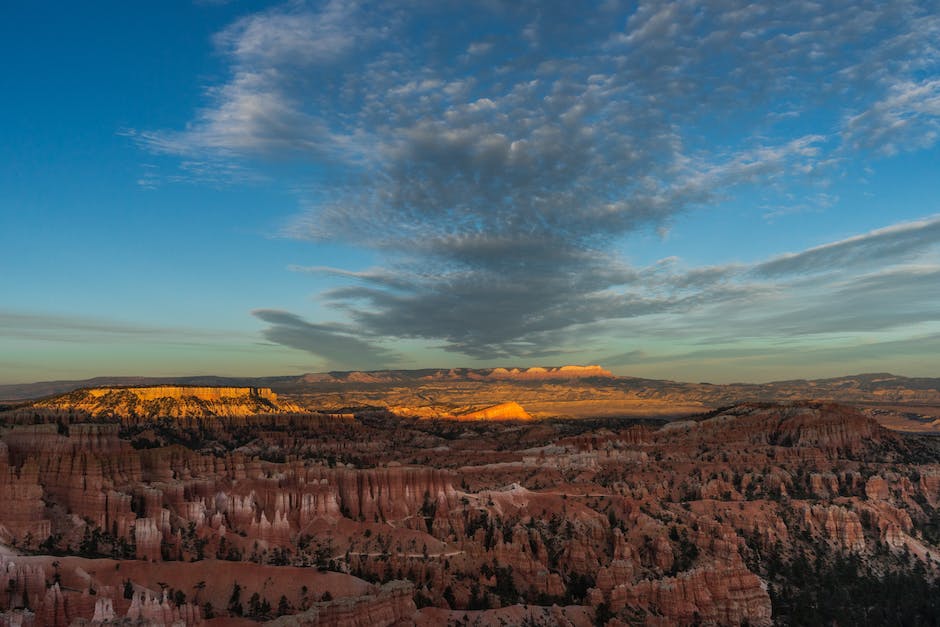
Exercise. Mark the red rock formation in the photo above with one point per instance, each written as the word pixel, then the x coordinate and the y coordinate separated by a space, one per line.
pixel 390 493
pixel 17 618
pixel 930 484
pixel 22 512
pixel 839 525
pixel 147 537
pixel 159 611
pixel 824 485
pixel 55 610
pixel 81 470
pixel 21 584
pixel 877 489
pixel 724 594
pixel 832 428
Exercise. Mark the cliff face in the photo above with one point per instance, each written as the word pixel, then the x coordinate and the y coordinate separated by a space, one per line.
pixel 170 401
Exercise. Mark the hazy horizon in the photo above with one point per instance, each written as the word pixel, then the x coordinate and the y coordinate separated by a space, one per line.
pixel 695 191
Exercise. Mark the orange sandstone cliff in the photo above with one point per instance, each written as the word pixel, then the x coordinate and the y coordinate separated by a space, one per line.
pixel 171 401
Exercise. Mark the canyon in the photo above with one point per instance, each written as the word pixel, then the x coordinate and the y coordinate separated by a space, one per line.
pixel 461 498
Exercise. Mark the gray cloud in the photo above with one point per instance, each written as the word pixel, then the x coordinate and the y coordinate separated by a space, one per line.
pixel 625 359
pixel 293 36
pixel 888 245
pixel 905 114
pixel 500 170
pixel 59 328
pixel 333 343
pixel 901 296
pixel 821 308
pixel 908 116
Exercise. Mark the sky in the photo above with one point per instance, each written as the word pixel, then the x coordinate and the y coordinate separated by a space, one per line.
pixel 695 190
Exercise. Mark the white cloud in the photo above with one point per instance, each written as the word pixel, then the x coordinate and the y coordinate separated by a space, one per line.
pixel 907 117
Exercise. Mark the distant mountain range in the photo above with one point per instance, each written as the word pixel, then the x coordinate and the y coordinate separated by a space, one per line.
pixel 871 387
pixel 311 381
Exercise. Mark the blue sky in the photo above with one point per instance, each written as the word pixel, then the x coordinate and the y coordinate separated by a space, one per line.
pixel 692 190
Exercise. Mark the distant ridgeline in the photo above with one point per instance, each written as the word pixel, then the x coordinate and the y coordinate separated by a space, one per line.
pixel 535 373
pixel 171 401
